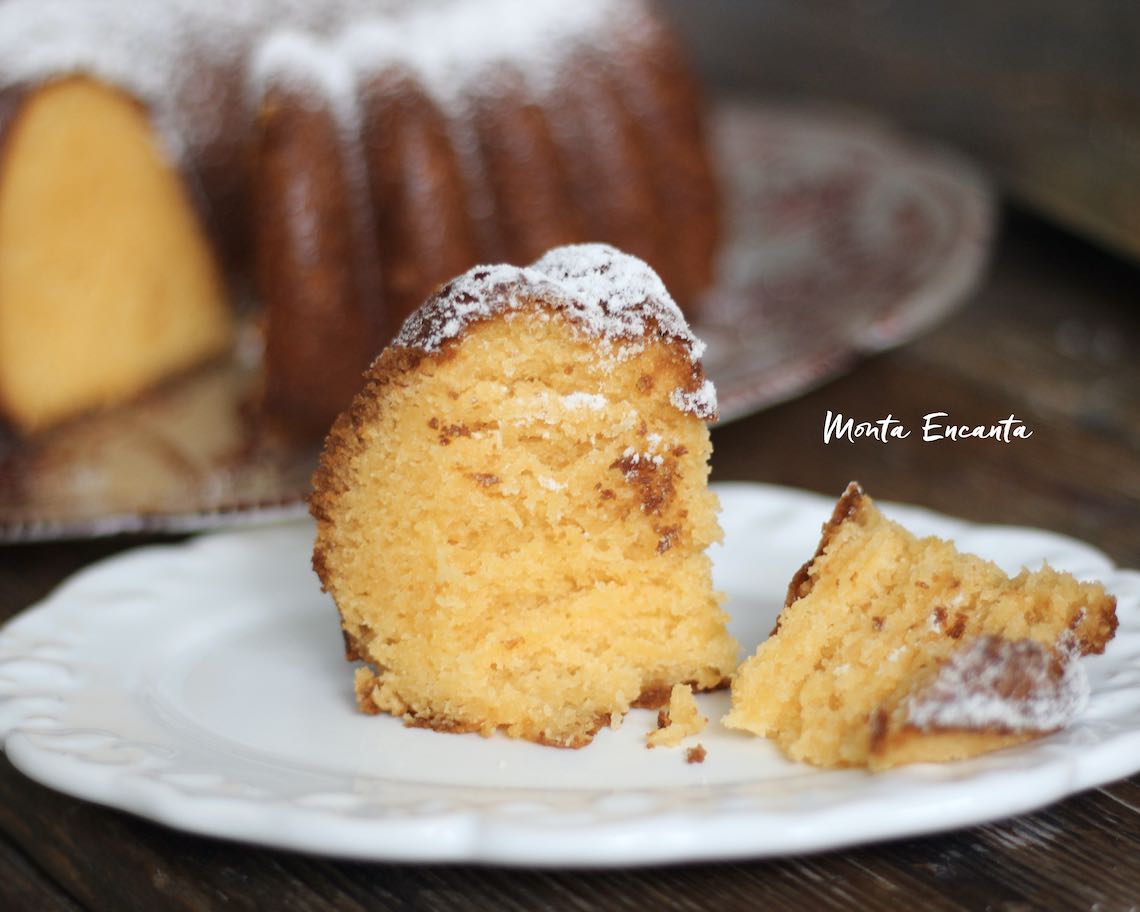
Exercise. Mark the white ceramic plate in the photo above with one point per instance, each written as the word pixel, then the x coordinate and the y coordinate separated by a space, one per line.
pixel 202 685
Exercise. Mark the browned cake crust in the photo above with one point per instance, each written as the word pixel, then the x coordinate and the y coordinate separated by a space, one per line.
pixel 850 502
pixel 657 695
pixel 663 100
pixel 606 161
pixel 616 153
pixel 485 151
pixel 1014 672
pixel 418 194
pixel 317 274
pixel 344 440
pixel 523 167
pixel 12 97
pixel 652 698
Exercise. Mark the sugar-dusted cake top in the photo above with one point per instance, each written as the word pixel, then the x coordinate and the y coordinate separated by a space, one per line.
pixel 608 294
pixel 180 57
pixel 1007 685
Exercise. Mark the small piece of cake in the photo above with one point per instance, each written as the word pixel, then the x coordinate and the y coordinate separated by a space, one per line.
pixel 513 515
pixel 678 720
pixel 894 649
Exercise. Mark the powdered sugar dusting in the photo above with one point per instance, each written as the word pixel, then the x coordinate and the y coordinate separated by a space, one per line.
pixel 593 401
pixel 176 55
pixel 608 294
pixel 1008 685
pixel 478 294
pixel 631 459
pixel 701 402
pixel 620 292
pixel 307 65
pixel 456 44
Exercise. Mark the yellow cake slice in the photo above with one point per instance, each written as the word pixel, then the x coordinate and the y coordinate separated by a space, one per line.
pixel 895 649
pixel 512 516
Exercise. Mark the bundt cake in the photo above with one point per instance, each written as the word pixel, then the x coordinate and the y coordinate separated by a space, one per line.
pixel 344 156
pixel 894 649
pixel 512 516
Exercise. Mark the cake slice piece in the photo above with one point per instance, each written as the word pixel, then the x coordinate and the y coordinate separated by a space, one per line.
pixel 681 718
pixel 512 516
pixel 894 649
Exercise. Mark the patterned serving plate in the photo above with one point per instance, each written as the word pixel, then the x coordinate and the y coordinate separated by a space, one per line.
pixel 843 239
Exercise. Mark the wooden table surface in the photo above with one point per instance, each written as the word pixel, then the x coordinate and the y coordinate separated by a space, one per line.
pixel 1051 338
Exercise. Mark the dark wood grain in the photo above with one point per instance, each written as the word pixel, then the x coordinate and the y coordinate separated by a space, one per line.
pixel 1052 338
pixel 23 886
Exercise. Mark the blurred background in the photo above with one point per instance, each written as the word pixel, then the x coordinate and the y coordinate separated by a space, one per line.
pixel 1045 97
pixel 1046 94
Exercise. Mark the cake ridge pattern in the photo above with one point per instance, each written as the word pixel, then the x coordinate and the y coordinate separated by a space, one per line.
pixel 309 135
pixel 154 50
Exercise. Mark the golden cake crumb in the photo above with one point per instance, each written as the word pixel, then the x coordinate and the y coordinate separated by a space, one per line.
pixel 679 720
pixel 893 649
pixel 696 754
pixel 512 522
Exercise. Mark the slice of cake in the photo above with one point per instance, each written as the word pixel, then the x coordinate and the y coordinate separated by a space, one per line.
pixel 894 649
pixel 512 516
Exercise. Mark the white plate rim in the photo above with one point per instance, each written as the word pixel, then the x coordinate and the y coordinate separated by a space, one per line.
pixel 697 823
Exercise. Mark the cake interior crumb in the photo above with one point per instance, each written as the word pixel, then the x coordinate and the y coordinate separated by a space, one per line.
pixel 897 649
pixel 678 720
pixel 528 576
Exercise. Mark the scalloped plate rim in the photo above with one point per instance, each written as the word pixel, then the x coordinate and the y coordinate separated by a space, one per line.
pixel 692 828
